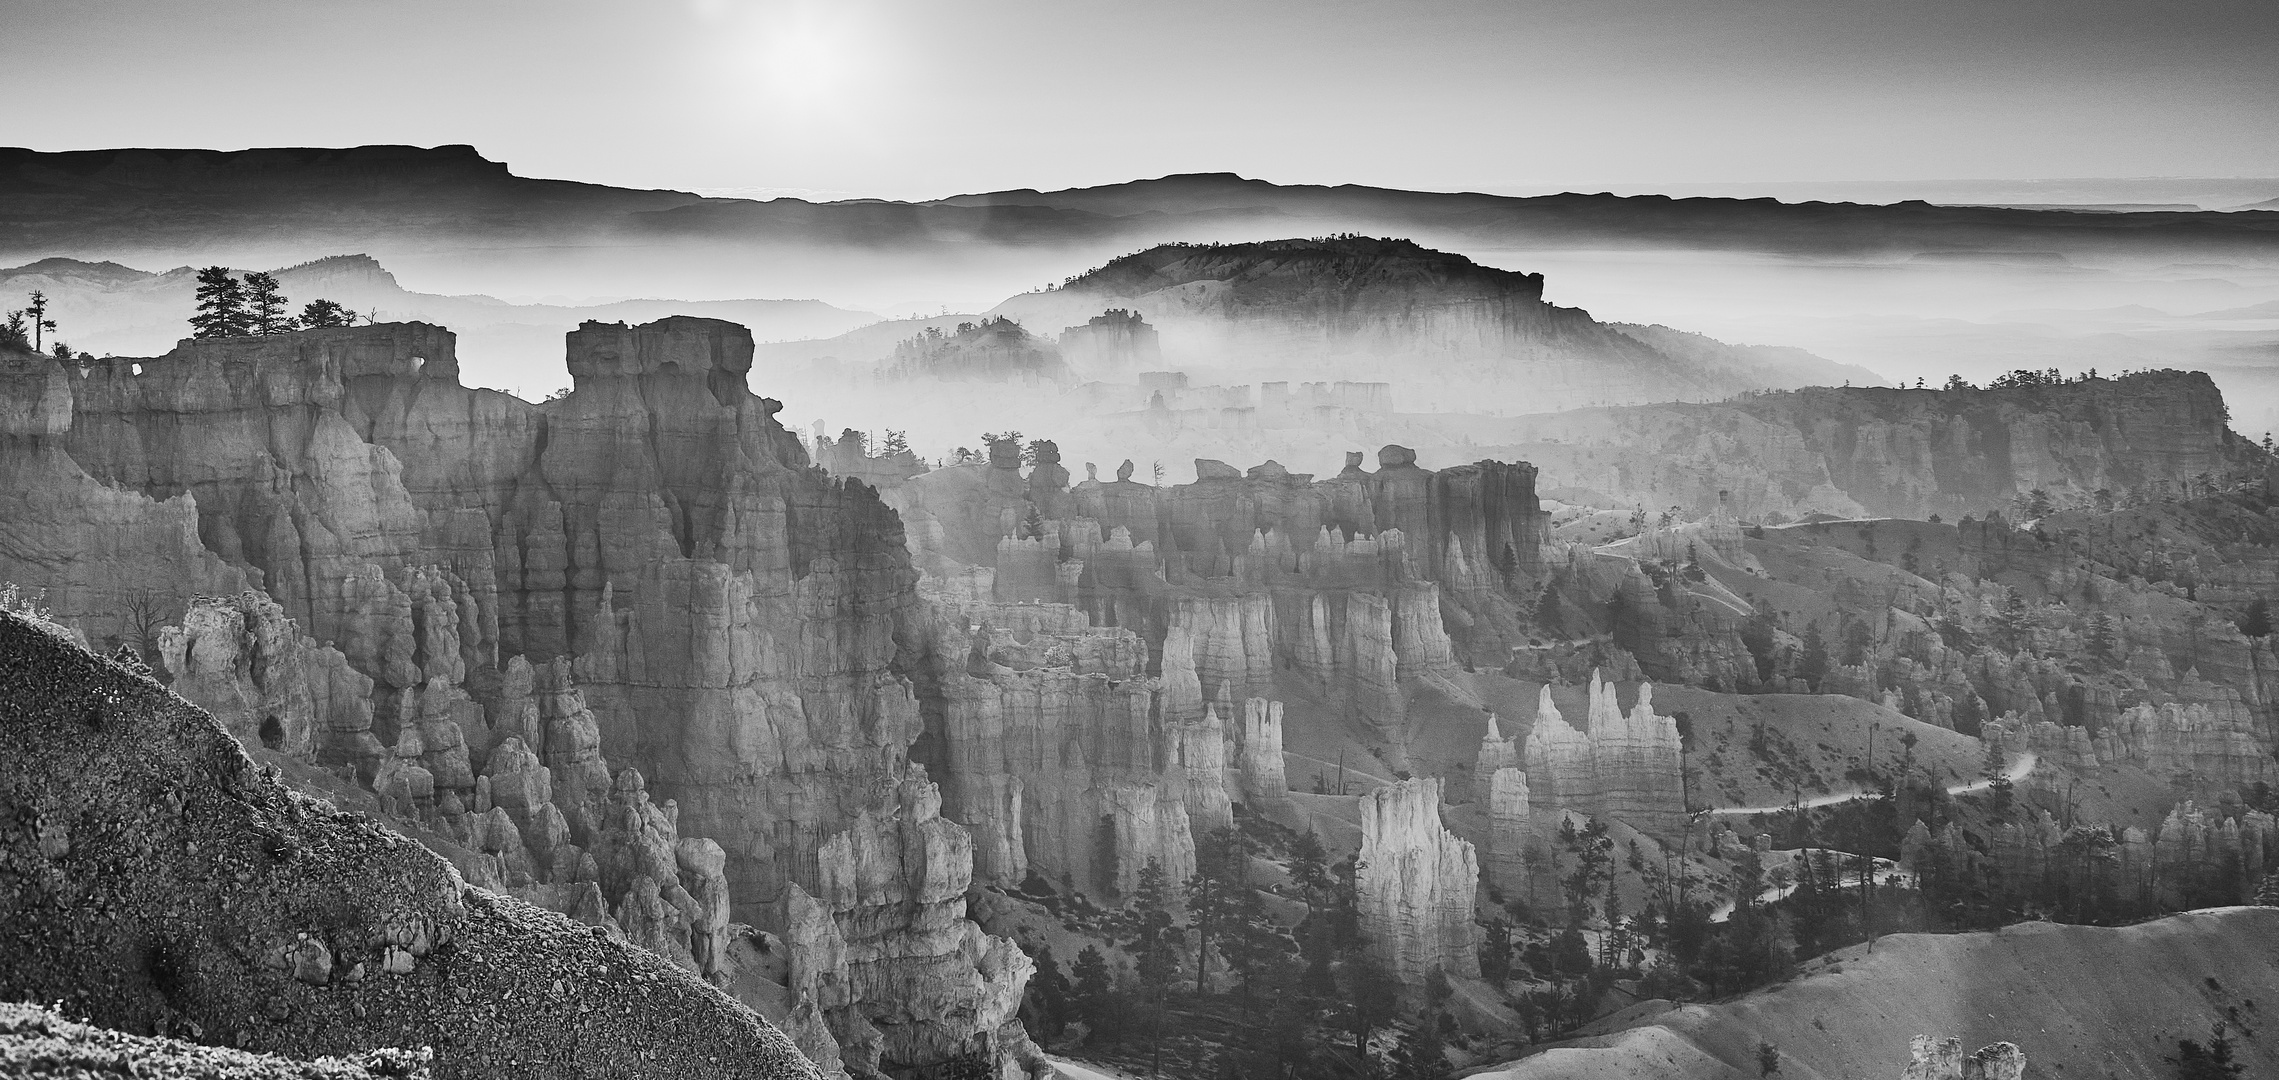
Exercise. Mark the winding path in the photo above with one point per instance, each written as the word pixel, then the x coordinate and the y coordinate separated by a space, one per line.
pixel 2019 771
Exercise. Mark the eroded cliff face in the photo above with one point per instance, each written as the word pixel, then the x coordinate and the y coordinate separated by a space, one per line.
pixel 626 646
pixel 1622 766
pixel 1417 885
pixel 1872 451
pixel 1357 581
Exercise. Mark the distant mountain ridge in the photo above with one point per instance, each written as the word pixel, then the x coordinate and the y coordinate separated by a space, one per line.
pixel 56 203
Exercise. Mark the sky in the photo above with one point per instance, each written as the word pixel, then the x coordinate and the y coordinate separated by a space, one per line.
pixel 924 98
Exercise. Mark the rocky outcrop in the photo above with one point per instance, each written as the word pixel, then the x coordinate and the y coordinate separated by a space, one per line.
pixel 1511 829
pixel 1943 1059
pixel 992 350
pixel 1417 884
pixel 1359 580
pixel 910 977
pixel 162 881
pixel 1623 766
pixel 1265 783
pixel 1115 342
pixel 628 577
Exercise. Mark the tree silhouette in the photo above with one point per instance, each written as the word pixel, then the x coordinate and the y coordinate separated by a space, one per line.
pixel 265 305
pixel 322 313
pixel 221 305
pixel 40 323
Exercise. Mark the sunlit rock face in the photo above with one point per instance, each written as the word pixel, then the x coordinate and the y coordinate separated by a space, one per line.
pixel 1244 578
pixel 1417 884
pixel 1510 830
pixel 1061 753
pixel 495 612
pixel 1623 766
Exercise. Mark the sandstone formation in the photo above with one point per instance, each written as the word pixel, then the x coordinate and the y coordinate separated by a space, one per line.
pixel 1417 884
pixel 1117 341
pixel 1859 451
pixel 1511 829
pixel 163 882
pixel 583 632
pixel 1622 766
pixel 1356 581
pixel 1265 784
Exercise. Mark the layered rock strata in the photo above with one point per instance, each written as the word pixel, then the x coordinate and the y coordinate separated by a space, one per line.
pixel 1623 766
pixel 1417 884
pixel 644 574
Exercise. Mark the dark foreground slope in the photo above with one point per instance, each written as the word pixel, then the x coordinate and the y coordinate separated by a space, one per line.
pixel 37 1043
pixel 153 879
pixel 2082 1001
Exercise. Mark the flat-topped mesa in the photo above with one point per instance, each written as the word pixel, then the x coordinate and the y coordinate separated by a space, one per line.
pixel 1624 766
pixel 1417 886
pixel 685 343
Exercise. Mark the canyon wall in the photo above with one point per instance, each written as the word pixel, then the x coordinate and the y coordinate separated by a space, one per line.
pixel 1858 451
pixel 570 633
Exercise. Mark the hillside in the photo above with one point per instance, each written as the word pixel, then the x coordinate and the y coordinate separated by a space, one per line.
pixel 157 880
pixel 2081 1001
pixel 1354 306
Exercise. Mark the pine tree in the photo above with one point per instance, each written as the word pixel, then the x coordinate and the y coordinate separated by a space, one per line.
pixel 265 305
pixel 1813 665
pixel 2256 621
pixel 2104 637
pixel 321 313
pixel 221 305
pixel 2267 890
pixel 1054 1004
pixel 1092 994
pixel 2211 1062
pixel 40 323
pixel 1420 1055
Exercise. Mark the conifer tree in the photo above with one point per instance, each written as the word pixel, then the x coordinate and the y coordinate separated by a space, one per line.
pixel 265 305
pixel 321 313
pixel 221 305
